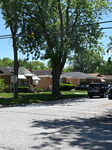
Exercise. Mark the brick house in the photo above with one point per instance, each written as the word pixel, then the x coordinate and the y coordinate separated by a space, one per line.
pixel 45 81
pixel 103 78
pixel 43 78
pixel 75 78
pixel 25 77
pixel 107 78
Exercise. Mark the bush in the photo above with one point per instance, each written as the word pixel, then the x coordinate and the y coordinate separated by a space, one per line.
pixel 38 90
pixel 66 86
pixel 2 85
pixel 23 89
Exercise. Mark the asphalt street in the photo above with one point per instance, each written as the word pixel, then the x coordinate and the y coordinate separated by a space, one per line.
pixel 79 124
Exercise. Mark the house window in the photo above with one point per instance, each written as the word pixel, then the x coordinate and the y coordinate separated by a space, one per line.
pixel 21 82
pixel 83 80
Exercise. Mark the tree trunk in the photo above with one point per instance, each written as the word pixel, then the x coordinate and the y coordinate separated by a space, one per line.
pixel 56 72
pixel 16 66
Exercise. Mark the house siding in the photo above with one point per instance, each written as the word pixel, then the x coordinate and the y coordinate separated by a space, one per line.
pixel 74 81
pixel 44 83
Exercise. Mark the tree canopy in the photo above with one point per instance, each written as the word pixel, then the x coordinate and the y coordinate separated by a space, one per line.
pixel 35 65
pixel 87 61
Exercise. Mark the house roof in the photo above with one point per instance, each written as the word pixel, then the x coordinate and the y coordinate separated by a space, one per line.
pixel 6 70
pixel 65 74
pixel 95 74
pixel 24 71
pixel 21 71
pixel 78 75
pixel 42 72
pixel 107 77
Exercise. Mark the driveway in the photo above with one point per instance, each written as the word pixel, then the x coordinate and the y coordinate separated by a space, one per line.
pixel 79 124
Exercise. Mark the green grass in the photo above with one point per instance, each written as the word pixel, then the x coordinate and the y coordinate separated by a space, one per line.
pixel 28 98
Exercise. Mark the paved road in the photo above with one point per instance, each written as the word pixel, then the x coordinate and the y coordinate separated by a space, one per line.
pixel 82 124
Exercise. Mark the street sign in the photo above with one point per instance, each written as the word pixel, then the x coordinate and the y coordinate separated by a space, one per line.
pixel 14 79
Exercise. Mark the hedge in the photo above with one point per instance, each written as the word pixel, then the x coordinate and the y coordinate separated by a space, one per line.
pixel 66 86
pixel 23 89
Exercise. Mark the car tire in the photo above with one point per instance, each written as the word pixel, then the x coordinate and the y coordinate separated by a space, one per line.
pixel 109 96
pixel 90 96
pixel 103 95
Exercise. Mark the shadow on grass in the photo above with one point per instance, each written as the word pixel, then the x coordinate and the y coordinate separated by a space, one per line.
pixel 82 133
pixel 29 98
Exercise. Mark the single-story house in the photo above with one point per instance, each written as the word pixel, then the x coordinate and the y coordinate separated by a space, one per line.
pixel 103 78
pixel 25 77
pixel 45 76
pixel 107 78
pixel 75 78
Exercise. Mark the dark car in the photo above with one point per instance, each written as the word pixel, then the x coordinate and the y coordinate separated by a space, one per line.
pixel 110 92
pixel 97 89
pixel 82 87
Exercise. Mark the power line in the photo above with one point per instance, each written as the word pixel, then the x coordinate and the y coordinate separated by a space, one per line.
pixel 6 36
pixel 97 23
pixel 106 28
pixel 10 36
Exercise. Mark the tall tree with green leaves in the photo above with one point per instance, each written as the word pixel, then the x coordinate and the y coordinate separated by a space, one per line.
pixel 109 50
pixel 6 62
pixel 10 11
pixel 87 61
pixel 35 65
pixel 106 67
pixel 52 29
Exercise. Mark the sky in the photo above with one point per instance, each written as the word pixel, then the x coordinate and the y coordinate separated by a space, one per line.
pixel 6 49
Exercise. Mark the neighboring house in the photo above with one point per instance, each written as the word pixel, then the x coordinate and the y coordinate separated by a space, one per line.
pixel 25 77
pixel 43 78
pixel 107 78
pixel 103 78
pixel 98 75
pixel 45 81
pixel 75 78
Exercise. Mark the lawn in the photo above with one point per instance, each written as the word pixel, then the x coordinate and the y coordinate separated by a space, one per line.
pixel 6 99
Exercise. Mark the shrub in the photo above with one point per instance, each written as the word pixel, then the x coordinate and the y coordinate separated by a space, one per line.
pixel 23 89
pixel 38 89
pixel 66 86
pixel 2 85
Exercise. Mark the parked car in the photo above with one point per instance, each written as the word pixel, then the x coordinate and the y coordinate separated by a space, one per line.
pixel 82 87
pixel 110 93
pixel 97 89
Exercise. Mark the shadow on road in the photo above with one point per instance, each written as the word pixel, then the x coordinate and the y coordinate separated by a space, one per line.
pixel 88 134
pixel 62 101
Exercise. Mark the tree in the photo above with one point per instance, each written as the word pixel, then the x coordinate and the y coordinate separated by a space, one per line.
pixel 10 9
pixel 35 65
pixel 6 62
pixel 87 61
pixel 54 28
pixel 106 67
pixel 109 50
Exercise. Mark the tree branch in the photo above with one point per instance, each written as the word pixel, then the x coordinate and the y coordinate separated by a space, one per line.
pixel 61 22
